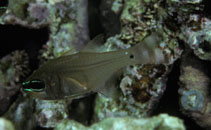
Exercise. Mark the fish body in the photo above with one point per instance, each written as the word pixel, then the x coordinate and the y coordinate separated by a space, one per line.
pixel 75 75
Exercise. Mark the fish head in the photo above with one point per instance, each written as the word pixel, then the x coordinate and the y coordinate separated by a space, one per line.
pixel 35 88
pixel 37 85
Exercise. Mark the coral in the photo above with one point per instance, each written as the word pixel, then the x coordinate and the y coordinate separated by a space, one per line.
pixel 192 100
pixel 46 53
pixel 160 122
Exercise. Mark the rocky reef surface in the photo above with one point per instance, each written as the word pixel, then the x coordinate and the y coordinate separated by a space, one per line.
pixel 162 122
pixel 185 30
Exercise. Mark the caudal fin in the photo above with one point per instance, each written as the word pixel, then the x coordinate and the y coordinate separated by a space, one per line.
pixel 148 51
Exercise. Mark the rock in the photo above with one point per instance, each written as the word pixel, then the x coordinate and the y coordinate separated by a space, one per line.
pixel 6 124
pixel 13 67
pixel 197 35
pixel 50 113
pixel 65 19
pixel 27 113
pixel 194 90
pixel 21 113
pixel 160 122
pixel 181 24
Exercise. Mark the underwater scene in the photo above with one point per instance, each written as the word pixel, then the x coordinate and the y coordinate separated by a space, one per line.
pixel 105 65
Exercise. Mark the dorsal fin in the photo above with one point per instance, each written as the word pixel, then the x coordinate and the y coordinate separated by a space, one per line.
pixel 95 45
pixel 69 52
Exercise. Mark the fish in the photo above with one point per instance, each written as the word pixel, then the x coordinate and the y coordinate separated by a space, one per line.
pixel 76 75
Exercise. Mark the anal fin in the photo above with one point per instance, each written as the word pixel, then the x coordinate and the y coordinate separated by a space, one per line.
pixel 77 83
pixel 110 88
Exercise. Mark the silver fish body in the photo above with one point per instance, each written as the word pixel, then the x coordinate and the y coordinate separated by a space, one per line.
pixel 75 75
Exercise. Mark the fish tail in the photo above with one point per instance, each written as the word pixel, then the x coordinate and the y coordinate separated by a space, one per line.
pixel 148 51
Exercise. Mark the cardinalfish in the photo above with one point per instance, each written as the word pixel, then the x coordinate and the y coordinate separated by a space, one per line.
pixel 76 75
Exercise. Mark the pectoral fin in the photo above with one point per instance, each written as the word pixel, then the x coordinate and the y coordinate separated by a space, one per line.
pixel 110 88
pixel 77 83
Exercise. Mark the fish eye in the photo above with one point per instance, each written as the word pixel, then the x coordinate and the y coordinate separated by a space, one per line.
pixel 131 56
pixel 35 85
